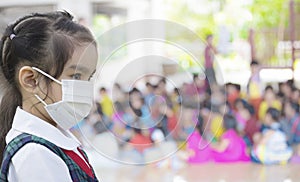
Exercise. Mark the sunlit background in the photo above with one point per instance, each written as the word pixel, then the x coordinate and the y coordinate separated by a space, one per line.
pixel 235 24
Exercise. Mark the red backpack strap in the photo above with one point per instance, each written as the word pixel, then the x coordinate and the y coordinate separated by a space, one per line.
pixel 84 165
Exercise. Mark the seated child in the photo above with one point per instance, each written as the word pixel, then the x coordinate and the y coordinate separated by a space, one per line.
pixel 140 141
pixel 291 123
pixel 198 148
pixel 252 125
pixel 271 147
pixel 231 147
pixel 239 113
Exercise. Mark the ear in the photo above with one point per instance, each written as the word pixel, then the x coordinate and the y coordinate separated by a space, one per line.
pixel 28 79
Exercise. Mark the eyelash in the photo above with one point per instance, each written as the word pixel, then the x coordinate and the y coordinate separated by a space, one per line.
pixel 91 76
pixel 78 76
pixel 74 76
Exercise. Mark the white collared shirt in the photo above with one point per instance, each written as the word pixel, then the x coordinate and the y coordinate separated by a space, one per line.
pixel 35 162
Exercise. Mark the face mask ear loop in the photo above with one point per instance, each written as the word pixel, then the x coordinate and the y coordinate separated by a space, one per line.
pixel 47 75
pixel 41 100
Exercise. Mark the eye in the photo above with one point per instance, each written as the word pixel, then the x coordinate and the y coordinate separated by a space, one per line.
pixel 76 76
pixel 92 75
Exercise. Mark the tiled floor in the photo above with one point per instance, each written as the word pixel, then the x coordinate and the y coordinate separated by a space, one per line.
pixel 109 169
pixel 205 172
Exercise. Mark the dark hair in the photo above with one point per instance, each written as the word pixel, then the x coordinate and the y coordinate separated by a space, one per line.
pixel 163 80
pixel 254 63
pixel 228 84
pixel 293 105
pixel 118 86
pixel 195 76
pixel 102 89
pixel 290 82
pixel 269 87
pixel 250 109
pixel 240 100
pixel 137 130
pixel 148 84
pixel 199 125
pixel 46 41
pixel 99 108
pixel 176 90
pixel 229 122
pixel 274 113
pixel 236 86
pixel 246 105
pixel 136 91
pixel 118 106
pixel 294 89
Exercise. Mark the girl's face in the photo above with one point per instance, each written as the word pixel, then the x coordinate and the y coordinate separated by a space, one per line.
pixel 199 82
pixel 296 95
pixel 286 89
pixel 268 119
pixel 269 96
pixel 136 102
pixel 81 66
pixel 288 110
pixel 245 114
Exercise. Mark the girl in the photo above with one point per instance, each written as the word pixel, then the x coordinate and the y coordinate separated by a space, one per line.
pixel 271 147
pixel 269 100
pixel 252 125
pixel 47 61
pixel 239 113
pixel 231 147
pixel 198 148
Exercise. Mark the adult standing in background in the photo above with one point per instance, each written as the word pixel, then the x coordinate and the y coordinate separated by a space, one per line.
pixel 209 53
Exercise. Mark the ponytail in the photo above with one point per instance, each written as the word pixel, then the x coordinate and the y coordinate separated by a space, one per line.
pixel 9 103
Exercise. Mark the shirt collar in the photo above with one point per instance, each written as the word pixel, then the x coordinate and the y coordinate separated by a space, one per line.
pixel 275 126
pixel 25 122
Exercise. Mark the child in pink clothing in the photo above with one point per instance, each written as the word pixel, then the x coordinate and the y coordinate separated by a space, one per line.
pixel 231 147
pixel 198 147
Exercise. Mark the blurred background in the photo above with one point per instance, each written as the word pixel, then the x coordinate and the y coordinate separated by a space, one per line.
pixel 242 29
pixel 255 55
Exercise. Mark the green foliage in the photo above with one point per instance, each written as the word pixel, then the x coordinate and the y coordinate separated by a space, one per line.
pixel 180 12
pixel 101 23
pixel 269 13
pixel 268 18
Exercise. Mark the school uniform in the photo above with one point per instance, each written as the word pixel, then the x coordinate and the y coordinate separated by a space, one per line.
pixel 38 151
pixel 294 130
pixel 275 150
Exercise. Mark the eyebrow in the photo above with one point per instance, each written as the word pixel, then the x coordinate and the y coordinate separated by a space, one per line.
pixel 79 68
pixel 82 69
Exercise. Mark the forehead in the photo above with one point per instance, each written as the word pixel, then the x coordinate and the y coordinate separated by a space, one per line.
pixel 84 56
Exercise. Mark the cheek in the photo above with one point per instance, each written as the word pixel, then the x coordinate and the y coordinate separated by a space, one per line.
pixel 55 92
pixel 267 120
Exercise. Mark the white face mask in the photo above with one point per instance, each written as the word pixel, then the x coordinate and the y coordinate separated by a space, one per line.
pixel 76 103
